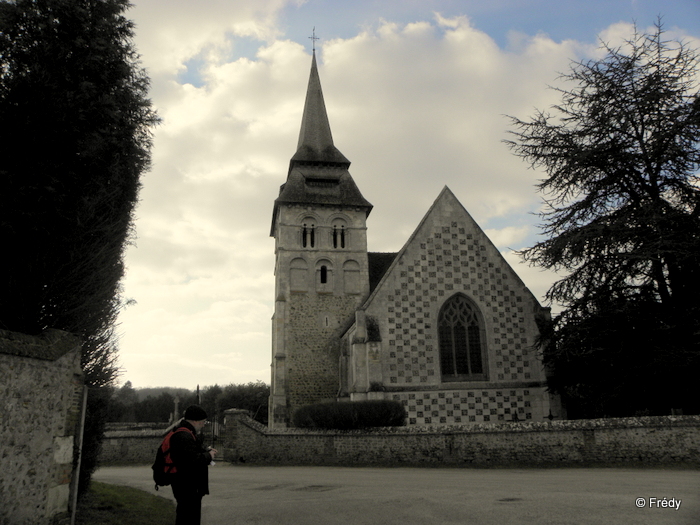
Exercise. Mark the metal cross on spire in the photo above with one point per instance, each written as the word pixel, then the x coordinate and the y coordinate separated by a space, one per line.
pixel 313 38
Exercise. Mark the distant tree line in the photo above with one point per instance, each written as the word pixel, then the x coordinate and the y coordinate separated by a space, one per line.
pixel 156 405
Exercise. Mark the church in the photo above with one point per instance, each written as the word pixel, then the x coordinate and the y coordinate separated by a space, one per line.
pixel 445 326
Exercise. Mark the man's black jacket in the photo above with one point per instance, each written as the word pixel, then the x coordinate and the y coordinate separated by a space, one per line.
pixel 191 460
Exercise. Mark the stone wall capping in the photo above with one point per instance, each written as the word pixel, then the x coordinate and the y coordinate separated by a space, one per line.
pixel 49 345
pixel 485 428
pixel 641 441
pixel 116 434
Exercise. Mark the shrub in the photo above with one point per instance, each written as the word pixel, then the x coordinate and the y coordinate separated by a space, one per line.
pixel 350 415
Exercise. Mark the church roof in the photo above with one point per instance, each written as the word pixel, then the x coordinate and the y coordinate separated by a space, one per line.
pixel 321 185
pixel 318 171
pixel 379 263
pixel 315 138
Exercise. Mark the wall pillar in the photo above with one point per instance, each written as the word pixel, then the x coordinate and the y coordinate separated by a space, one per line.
pixel 41 416
pixel 278 412
pixel 233 449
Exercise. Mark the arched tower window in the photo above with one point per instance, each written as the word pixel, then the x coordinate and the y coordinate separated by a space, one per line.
pixel 324 276
pixel 308 233
pixel 339 234
pixel 462 341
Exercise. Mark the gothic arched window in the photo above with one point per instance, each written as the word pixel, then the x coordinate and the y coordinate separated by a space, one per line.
pixel 462 341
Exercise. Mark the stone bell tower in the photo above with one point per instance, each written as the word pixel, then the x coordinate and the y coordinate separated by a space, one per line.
pixel 321 270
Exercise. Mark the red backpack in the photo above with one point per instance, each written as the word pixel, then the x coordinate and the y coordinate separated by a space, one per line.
pixel 163 467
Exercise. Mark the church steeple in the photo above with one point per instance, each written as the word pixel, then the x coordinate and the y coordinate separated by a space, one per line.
pixel 321 266
pixel 315 139
pixel 318 172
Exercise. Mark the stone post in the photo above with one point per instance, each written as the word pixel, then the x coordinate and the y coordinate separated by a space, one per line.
pixel 232 448
pixel 40 414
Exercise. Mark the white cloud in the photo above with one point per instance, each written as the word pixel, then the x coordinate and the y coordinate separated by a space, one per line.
pixel 510 236
pixel 169 34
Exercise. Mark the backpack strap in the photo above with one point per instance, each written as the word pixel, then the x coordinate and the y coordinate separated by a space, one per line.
pixel 170 468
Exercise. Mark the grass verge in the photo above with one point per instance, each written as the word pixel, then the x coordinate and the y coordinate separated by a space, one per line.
pixel 106 504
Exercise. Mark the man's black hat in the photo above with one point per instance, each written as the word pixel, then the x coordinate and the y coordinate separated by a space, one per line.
pixel 195 413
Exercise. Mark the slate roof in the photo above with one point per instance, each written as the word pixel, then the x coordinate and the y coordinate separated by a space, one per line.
pixel 321 185
pixel 378 263
pixel 315 138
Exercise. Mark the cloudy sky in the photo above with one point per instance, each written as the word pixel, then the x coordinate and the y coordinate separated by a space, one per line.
pixel 416 91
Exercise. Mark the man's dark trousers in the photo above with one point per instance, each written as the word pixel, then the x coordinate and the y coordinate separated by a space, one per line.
pixel 189 504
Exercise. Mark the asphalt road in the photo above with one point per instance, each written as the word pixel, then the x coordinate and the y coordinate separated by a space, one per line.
pixel 349 496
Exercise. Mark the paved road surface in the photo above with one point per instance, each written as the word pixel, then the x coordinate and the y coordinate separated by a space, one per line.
pixel 386 496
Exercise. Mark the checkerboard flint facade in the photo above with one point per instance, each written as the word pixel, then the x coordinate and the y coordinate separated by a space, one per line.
pixel 465 268
pixel 448 254
pixel 456 407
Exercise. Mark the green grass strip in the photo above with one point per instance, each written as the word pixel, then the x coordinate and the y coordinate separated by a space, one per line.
pixel 106 504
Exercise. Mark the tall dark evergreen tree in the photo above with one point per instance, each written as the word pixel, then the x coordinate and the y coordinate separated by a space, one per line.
pixel 75 136
pixel 622 222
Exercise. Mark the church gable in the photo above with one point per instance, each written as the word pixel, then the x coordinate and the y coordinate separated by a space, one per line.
pixel 451 319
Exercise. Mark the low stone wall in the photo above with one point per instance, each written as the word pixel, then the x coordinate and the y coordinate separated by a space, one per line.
pixel 41 392
pixel 131 444
pixel 137 443
pixel 671 440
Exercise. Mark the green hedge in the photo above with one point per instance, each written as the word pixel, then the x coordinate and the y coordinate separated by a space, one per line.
pixel 350 415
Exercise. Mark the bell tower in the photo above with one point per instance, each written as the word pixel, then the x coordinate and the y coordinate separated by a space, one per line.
pixel 321 269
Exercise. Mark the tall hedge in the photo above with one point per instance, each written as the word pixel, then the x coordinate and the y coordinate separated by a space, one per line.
pixel 76 138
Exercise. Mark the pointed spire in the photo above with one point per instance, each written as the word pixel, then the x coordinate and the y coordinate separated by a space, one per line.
pixel 315 138
pixel 318 173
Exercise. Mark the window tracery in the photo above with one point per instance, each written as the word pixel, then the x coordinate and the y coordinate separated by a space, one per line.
pixel 461 340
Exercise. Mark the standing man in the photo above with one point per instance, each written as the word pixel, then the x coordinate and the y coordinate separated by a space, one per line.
pixel 191 460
